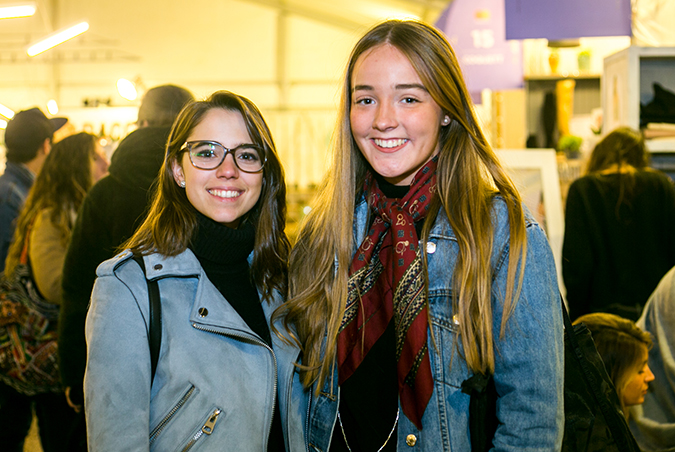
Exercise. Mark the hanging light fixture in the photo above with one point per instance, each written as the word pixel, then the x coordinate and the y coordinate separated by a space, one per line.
pixel 52 107
pixel 57 38
pixel 17 10
pixel 127 89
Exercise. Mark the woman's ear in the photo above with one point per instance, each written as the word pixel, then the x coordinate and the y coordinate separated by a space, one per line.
pixel 178 175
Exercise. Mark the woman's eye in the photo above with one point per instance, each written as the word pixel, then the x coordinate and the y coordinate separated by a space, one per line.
pixel 409 100
pixel 247 154
pixel 365 101
pixel 204 153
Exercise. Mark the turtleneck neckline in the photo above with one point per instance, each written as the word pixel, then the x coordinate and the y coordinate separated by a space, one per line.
pixel 390 190
pixel 218 243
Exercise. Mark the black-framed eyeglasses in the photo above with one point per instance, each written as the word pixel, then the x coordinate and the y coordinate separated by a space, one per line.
pixel 208 155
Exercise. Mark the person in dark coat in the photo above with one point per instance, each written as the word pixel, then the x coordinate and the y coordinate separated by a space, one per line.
pixel 109 215
pixel 619 229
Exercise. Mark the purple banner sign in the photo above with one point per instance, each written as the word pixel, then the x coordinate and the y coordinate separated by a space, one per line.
pixel 567 19
pixel 475 29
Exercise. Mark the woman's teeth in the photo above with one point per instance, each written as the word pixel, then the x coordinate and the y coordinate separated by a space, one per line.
pixel 224 193
pixel 390 143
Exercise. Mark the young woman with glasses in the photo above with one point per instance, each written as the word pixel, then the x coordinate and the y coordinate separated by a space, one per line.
pixel 214 240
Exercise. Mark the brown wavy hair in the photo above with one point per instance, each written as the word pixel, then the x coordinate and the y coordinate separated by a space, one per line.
pixel 60 187
pixel 172 220
pixel 469 176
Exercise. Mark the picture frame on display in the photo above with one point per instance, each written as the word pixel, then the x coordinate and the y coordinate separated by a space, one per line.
pixel 535 173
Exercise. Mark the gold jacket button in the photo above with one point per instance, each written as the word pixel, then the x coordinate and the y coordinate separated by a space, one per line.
pixel 203 312
pixel 411 440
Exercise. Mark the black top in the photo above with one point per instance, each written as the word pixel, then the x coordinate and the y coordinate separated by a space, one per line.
pixel 110 213
pixel 369 398
pixel 614 254
pixel 223 254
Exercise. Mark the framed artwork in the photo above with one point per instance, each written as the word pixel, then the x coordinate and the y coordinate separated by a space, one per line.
pixel 535 173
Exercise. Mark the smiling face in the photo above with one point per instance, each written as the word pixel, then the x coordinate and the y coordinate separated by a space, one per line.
pixel 394 120
pixel 634 393
pixel 226 193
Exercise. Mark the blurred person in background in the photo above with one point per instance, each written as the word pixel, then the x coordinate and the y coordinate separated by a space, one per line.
pixel 619 229
pixel 624 348
pixel 46 221
pixel 28 139
pixel 653 422
pixel 109 215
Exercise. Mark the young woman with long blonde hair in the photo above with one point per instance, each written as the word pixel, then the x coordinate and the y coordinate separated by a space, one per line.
pixel 419 267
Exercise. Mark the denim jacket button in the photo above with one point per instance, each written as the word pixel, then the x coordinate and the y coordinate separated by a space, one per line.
pixel 411 440
pixel 431 247
pixel 203 312
pixel 158 266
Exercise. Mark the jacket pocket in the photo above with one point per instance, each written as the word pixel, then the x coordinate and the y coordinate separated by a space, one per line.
pixel 448 365
pixel 205 429
pixel 189 392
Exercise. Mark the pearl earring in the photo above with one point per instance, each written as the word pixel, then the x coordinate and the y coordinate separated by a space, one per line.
pixel 182 184
pixel 446 120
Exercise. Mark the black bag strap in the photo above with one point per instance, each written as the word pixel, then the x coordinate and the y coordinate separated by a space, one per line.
pixel 610 415
pixel 155 326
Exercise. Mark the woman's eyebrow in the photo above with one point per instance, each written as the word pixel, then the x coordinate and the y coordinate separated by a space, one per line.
pixel 411 86
pixel 399 86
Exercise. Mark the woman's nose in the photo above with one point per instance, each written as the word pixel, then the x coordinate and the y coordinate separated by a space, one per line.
pixel 650 376
pixel 228 168
pixel 385 117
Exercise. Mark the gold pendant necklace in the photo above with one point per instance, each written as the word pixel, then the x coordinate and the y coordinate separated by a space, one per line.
pixel 385 441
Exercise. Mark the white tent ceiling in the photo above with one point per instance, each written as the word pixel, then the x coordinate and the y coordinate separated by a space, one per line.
pixel 281 52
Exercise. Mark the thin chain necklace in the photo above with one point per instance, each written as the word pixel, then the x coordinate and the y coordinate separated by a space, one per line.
pixel 385 441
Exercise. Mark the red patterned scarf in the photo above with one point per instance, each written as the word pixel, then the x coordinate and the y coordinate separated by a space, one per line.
pixel 386 280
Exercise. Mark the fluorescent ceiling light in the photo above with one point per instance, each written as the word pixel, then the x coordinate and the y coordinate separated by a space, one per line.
pixel 57 38
pixel 17 10
pixel 127 89
pixel 6 112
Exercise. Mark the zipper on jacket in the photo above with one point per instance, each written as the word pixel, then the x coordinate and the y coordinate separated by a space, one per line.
pixel 248 338
pixel 207 429
pixel 157 430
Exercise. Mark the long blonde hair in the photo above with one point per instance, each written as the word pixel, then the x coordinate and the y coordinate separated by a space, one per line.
pixel 469 176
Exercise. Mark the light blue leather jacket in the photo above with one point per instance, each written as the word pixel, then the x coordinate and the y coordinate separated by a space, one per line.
pixel 216 381
pixel 529 358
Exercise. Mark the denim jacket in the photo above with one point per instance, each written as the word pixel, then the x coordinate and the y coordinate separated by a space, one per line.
pixel 215 385
pixel 528 358
pixel 15 183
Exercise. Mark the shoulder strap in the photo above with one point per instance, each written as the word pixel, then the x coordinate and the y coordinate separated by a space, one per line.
pixel 155 327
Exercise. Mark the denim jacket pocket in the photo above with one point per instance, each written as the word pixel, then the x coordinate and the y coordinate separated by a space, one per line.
pixel 447 363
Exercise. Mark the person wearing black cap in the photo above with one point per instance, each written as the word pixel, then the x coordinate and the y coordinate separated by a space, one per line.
pixel 28 139
pixel 110 213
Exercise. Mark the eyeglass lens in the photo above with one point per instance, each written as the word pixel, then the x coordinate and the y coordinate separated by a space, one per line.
pixel 209 155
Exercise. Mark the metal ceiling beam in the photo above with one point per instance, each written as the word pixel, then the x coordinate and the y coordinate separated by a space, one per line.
pixel 315 14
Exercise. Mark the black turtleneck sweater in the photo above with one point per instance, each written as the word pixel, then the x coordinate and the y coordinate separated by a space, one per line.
pixel 223 254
